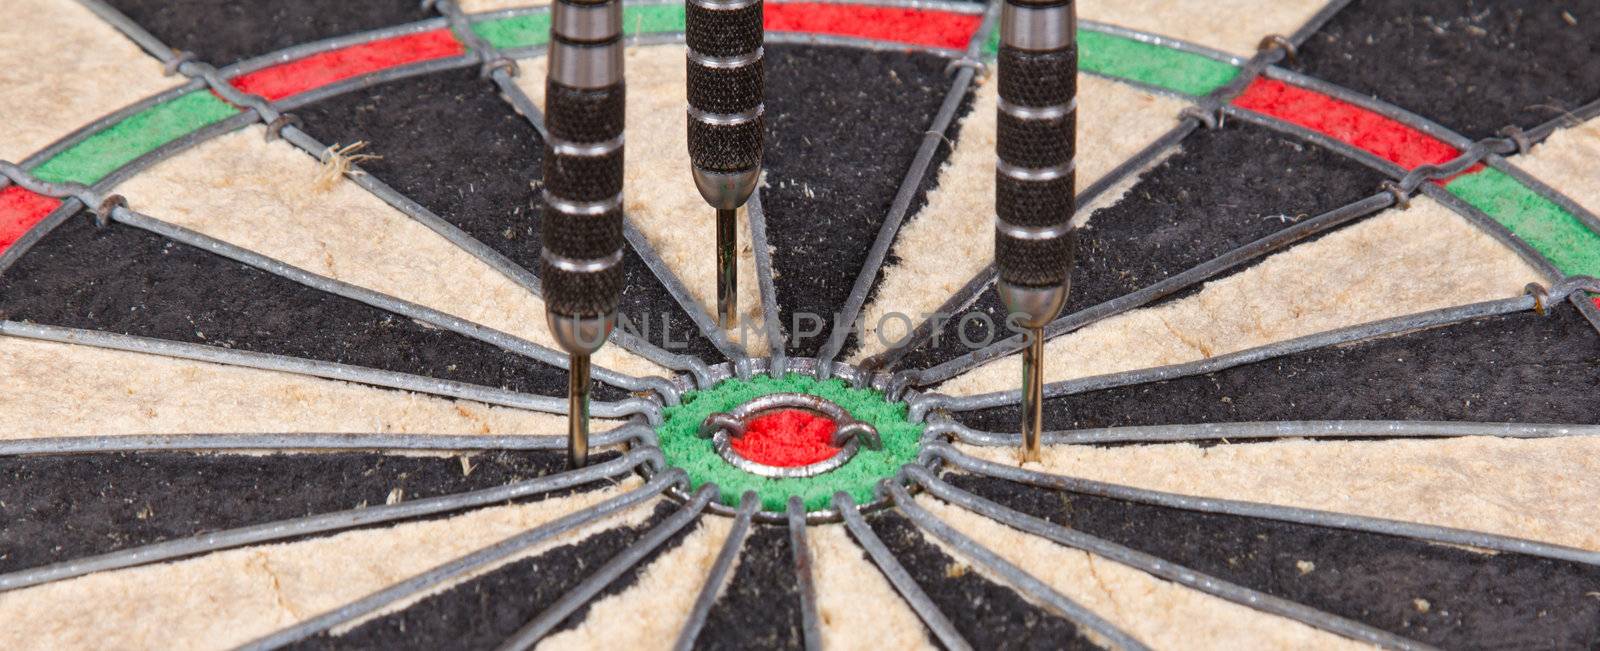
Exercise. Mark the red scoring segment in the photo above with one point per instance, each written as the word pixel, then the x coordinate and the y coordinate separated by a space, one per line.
pixel 20 210
pixel 1347 123
pixel 787 438
pixel 298 76
pixel 946 29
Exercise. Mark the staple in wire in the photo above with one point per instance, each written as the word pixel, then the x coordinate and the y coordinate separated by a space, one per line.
pixel 179 57
pixel 501 64
pixel 1519 137
pixel 275 127
pixel 1541 297
pixel 1211 117
pixel 1291 53
pixel 975 64
pixel 108 206
pixel 1402 197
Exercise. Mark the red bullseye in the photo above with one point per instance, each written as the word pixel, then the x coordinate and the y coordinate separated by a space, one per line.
pixel 787 438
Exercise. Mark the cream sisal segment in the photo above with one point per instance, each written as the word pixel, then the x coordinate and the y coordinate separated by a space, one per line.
pixel 227 598
pixel 1159 613
pixel 659 194
pixel 853 596
pixel 1566 162
pixel 952 238
pixel 650 614
pixel 1527 488
pixel 1391 264
pixel 61 67
pixel 56 389
pixel 262 196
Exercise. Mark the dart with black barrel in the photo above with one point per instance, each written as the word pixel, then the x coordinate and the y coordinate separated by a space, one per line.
pixel 726 88
pixel 581 260
pixel 1034 182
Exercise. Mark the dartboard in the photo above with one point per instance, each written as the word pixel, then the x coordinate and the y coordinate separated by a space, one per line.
pixel 275 369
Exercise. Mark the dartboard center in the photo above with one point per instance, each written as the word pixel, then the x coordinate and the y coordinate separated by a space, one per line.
pixel 790 436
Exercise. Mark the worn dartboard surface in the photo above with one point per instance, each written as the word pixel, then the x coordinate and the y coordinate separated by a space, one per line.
pixel 274 367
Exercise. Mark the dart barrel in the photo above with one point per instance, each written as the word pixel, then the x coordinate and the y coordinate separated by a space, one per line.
pixel 1036 140
pixel 581 263
pixel 726 87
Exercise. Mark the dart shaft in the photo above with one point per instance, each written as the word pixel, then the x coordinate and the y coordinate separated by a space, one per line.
pixel 727 267
pixel 726 79
pixel 1036 143
pixel 581 224
pixel 578 412
pixel 1033 396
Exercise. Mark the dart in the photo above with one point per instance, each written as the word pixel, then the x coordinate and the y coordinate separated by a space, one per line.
pixel 1034 202
pixel 725 86
pixel 581 259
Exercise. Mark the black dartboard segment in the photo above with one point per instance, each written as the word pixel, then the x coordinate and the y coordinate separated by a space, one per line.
pixel 58 508
pixel 1472 65
pixel 1519 367
pixel 483 612
pixel 985 613
pixel 1445 596
pixel 1223 189
pixel 146 285
pixel 930 181
pixel 221 33
pixel 449 142
pixel 760 607
pixel 843 125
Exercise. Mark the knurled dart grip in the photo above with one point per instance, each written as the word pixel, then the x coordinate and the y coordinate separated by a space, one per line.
pixel 726 84
pixel 581 223
pixel 1036 142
